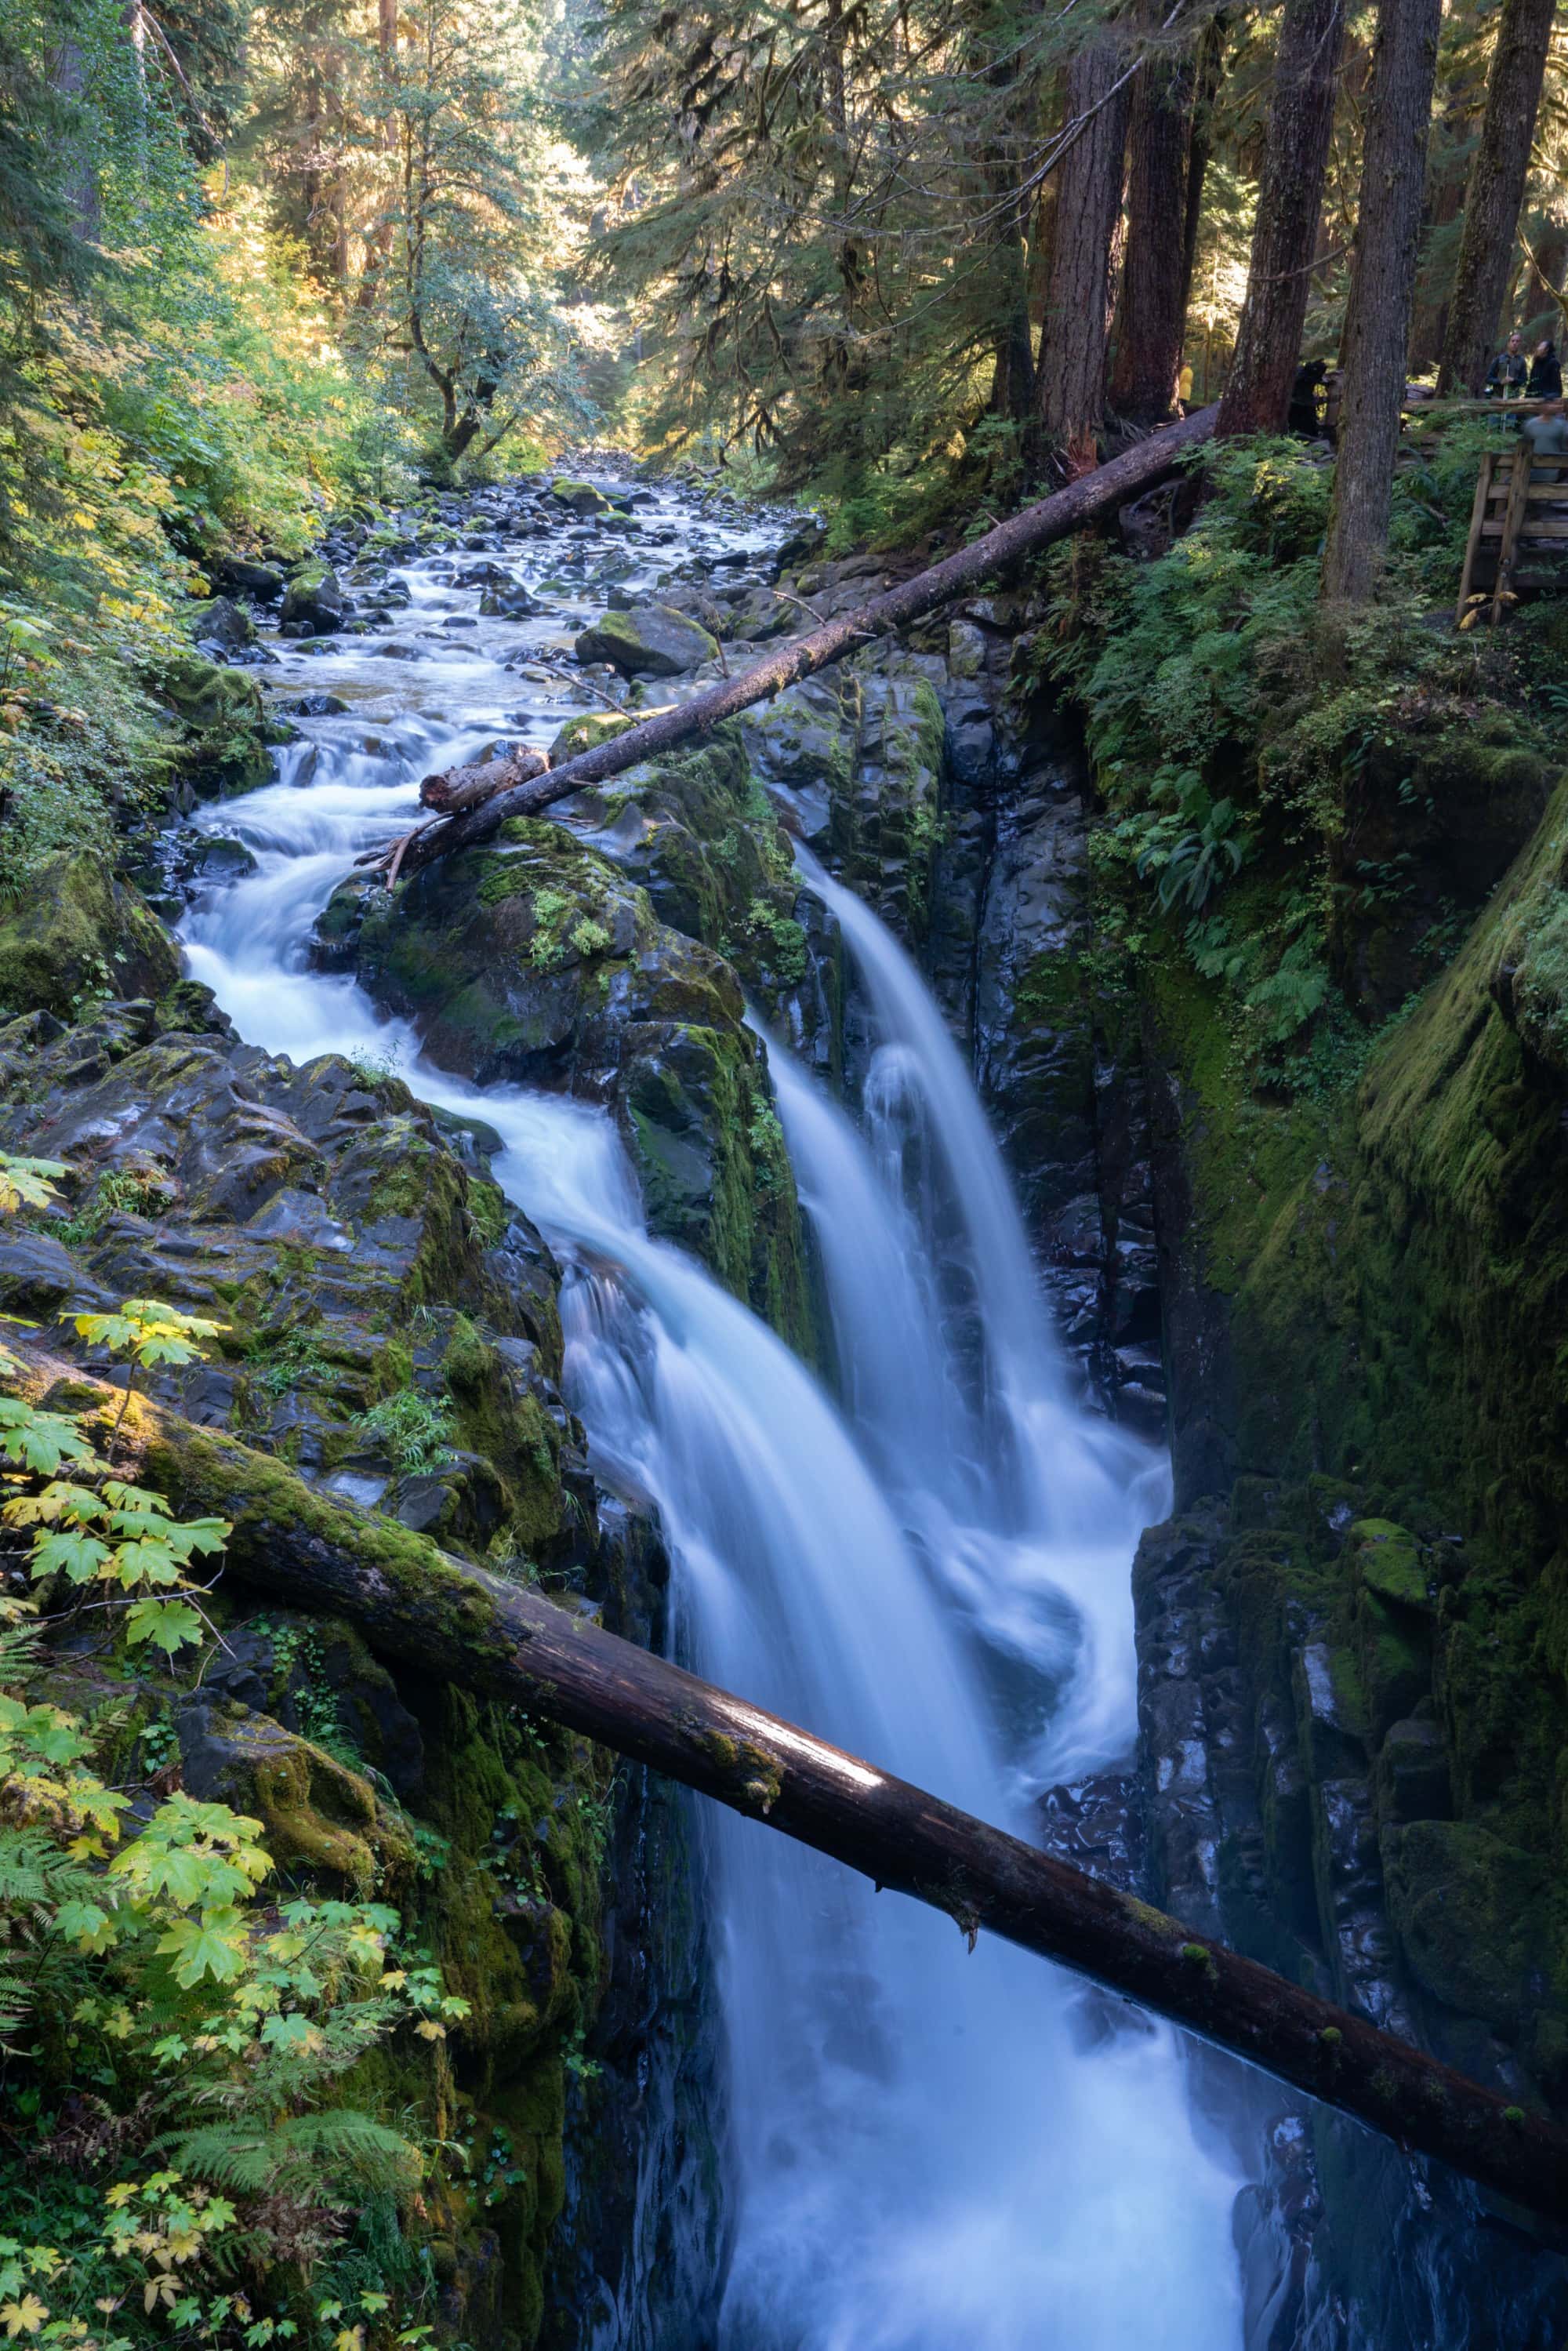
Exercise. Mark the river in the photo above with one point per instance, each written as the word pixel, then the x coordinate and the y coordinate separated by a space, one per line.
pixel 928 2149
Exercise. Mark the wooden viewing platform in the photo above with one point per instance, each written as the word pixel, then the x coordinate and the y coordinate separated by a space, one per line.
pixel 1512 513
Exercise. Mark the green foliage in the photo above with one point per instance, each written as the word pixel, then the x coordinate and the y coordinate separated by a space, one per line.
pixel 206 2034
pixel 413 1431
pixel 26 1183
pixel 1225 735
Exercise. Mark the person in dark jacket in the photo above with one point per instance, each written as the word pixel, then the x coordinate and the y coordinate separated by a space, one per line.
pixel 1506 376
pixel 1545 373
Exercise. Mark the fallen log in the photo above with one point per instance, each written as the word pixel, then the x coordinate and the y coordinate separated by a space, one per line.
pixel 417 1606
pixel 455 788
pixel 1083 501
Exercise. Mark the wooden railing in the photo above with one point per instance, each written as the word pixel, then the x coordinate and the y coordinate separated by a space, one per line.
pixel 1510 507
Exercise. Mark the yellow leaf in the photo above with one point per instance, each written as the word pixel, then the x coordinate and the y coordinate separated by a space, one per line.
pixel 428 2028
pixel 24 2317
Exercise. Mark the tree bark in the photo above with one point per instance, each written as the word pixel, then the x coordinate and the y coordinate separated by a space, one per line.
pixel 1148 360
pixel 1137 469
pixel 1071 375
pixel 455 789
pixel 1496 192
pixel 1543 303
pixel 1382 287
pixel 1211 70
pixel 1257 397
pixel 462 1626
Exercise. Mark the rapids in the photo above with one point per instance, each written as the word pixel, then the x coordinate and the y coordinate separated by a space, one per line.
pixel 928 2149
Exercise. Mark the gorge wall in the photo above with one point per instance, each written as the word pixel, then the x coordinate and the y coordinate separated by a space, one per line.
pixel 1352 1631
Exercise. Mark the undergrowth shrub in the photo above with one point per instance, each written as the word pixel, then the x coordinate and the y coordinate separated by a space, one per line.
pixel 1224 729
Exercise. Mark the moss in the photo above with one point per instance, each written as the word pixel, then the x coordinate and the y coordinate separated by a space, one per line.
pixel 586 733
pixel 1467 1909
pixel 321 1821
pixel 79 934
pixel 1387 1264
pixel 1389 1562
pixel 222 746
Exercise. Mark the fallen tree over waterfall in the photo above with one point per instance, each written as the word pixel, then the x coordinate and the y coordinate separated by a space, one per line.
pixel 417 1606
pixel 511 790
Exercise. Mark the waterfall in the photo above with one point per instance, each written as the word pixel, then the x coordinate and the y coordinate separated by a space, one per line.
pixel 928 2149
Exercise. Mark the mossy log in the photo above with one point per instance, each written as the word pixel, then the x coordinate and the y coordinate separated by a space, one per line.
pixel 1083 501
pixel 455 788
pixel 463 1627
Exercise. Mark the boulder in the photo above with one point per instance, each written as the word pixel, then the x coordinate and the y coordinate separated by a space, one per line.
pixel 321 1822
pixel 1466 1907
pixel 649 640
pixel 78 932
pixel 511 602
pixel 580 498
pixel 238 575
pixel 225 722
pixel 313 597
pixel 223 628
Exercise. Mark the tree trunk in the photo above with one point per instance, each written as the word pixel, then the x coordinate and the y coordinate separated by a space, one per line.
pixel 1149 327
pixel 1382 287
pixel 1496 193
pixel 462 1626
pixel 1071 371
pixel 1545 308
pixel 1210 69
pixel 1137 469
pixel 1455 126
pixel 462 787
pixel 1257 396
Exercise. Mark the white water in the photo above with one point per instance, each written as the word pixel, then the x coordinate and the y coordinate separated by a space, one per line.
pixel 928 2150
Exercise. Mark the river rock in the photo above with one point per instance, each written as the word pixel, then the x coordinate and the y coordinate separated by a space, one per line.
pixel 238 575
pixel 579 497
pixel 79 932
pixel 314 596
pixel 649 640
pixel 222 630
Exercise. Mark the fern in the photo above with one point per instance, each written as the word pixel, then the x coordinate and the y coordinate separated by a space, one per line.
pixel 325 2155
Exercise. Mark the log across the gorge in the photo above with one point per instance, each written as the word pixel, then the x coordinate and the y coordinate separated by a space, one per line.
pixel 1083 501
pixel 417 1606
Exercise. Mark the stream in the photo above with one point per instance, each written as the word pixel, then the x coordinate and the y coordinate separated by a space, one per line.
pixel 926 2149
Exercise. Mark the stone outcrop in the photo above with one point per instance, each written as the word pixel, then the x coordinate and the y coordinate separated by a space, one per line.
pixel 647 641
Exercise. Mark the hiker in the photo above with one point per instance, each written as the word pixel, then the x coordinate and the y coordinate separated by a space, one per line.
pixel 1546 436
pixel 1308 400
pixel 1508 373
pixel 1545 371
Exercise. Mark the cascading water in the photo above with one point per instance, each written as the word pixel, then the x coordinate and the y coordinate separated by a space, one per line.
pixel 928 2148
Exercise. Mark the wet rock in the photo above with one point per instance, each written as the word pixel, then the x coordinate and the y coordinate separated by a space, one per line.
pixel 221 629
pixel 39 1280
pixel 649 640
pixel 579 497
pixel 238 575
pixel 313 596
pixel 79 934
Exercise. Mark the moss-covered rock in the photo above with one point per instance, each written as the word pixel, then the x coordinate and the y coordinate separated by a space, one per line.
pixel 537 960
pixel 322 1824
pixel 647 641
pixel 1468 1911
pixel 79 935
pixel 314 596
pixel 580 498
pixel 220 742
pixel 1374 1284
